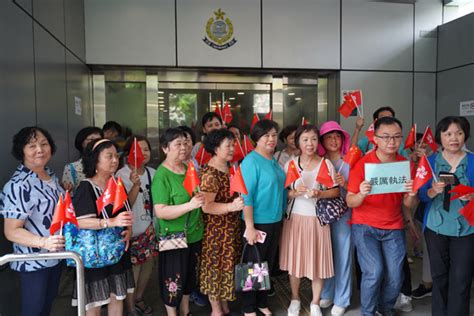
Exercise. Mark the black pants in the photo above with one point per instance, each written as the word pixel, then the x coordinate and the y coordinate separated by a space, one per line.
pixel 452 262
pixel 406 285
pixel 268 251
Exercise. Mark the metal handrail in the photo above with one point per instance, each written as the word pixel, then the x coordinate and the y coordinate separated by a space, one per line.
pixel 81 307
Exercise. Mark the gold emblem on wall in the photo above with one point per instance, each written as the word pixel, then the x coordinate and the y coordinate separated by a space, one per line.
pixel 220 31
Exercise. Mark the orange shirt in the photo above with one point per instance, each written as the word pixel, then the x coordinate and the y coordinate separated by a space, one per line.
pixel 383 211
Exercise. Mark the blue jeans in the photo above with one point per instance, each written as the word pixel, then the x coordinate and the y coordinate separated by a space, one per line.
pixel 380 253
pixel 339 287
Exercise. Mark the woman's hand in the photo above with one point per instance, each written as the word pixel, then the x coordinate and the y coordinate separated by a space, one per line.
pixel 438 187
pixel 408 186
pixel 300 190
pixel 52 243
pixel 251 234
pixel 124 219
pixel 314 193
pixel 364 188
pixel 237 204
pixel 359 122
pixel 135 178
pixel 467 197
pixel 340 179
pixel 67 186
pixel 127 234
pixel 197 201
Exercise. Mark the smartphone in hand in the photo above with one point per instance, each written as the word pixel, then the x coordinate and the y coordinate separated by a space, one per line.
pixel 261 236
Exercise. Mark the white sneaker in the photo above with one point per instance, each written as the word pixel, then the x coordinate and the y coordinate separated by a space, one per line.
pixel 315 310
pixel 337 310
pixel 294 309
pixel 404 303
pixel 325 303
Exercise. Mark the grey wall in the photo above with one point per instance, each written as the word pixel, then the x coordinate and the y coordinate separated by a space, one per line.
pixel 42 70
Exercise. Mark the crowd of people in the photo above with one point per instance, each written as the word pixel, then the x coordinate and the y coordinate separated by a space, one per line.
pixel 278 219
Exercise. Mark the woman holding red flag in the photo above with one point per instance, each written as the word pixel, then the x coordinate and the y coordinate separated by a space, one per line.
pixel 143 247
pixel 302 233
pixel 222 234
pixel 449 236
pixel 108 285
pixel 27 205
pixel 177 212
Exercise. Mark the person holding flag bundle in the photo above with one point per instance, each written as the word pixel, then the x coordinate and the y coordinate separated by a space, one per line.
pixel 137 178
pixel 448 234
pixel 177 208
pixel 302 233
pixel 111 284
pixel 27 203
pixel 334 146
pixel 221 244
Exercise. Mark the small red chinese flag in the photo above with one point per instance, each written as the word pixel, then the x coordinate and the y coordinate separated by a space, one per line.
pixel 237 183
pixel 370 133
pixel 347 106
pixel 353 156
pixel 70 214
pixel 269 115
pixel 411 138
pixel 292 174
pixel 239 153
pixel 468 212
pixel 324 176
pixel 226 113
pixel 423 173
pixel 218 111
pixel 461 190
pixel 202 156
pixel 248 146
pixel 255 119
pixel 191 179
pixel 107 197
pixel 120 196
pixel 59 217
pixel 304 121
pixel 429 139
pixel 135 157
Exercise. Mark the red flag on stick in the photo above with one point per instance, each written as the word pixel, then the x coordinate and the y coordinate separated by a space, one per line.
pixel 218 111
pixel 59 217
pixel 353 156
pixel 468 212
pixel 411 138
pixel 460 191
pixel 423 173
pixel 226 113
pixel 370 133
pixel 239 153
pixel 248 147
pixel 70 214
pixel 191 179
pixel 135 157
pixel 120 196
pixel 347 106
pixel 292 174
pixel 269 115
pixel 255 119
pixel 304 121
pixel 324 176
pixel 107 197
pixel 202 156
pixel 428 138
pixel 237 183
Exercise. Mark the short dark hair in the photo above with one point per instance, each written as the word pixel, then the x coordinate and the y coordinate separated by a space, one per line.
pixel 304 129
pixel 90 158
pixel 188 130
pixel 444 124
pixel 383 108
pixel 387 121
pixel 112 125
pixel 285 132
pixel 129 143
pixel 209 116
pixel 169 135
pixel 24 136
pixel 261 128
pixel 82 135
pixel 215 138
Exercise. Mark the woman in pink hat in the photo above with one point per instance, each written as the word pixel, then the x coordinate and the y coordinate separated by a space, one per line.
pixel 334 145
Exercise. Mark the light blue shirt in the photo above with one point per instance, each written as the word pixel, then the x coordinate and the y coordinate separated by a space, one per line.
pixel 265 182
pixel 364 145
pixel 26 197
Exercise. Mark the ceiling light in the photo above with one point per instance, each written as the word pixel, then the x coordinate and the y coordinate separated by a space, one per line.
pixel 240 93
pixel 161 92
pixel 161 98
pixel 291 93
pixel 232 98
pixel 297 99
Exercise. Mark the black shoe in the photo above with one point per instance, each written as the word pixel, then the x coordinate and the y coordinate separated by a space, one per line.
pixel 420 292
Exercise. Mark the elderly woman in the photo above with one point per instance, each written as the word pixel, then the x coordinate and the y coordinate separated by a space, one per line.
pixel 302 232
pixel 108 285
pixel 222 234
pixel 143 245
pixel 264 205
pixel 27 204
pixel 287 136
pixel 177 212
pixel 448 235
pixel 73 172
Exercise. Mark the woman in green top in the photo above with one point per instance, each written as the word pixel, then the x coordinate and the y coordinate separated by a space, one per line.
pixel 176 211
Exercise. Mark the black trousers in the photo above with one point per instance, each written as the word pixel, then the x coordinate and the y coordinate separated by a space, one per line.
pixel 452 262
pixel 268 252
pixel 406 285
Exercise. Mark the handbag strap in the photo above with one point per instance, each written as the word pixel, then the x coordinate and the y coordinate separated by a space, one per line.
pixel 255 247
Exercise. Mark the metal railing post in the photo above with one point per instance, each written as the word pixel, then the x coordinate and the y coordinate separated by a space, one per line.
pixel 81 306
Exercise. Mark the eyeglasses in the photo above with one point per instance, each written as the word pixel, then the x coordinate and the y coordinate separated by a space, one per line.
pixel 387 139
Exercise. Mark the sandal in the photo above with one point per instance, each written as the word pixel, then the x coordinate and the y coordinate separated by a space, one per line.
pixel 146 310
pixel 261 311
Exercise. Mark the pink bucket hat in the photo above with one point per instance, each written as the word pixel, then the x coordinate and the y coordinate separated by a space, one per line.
pixel 331 126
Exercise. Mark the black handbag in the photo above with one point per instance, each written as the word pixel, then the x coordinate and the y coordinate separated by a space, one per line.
pixel 251 276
